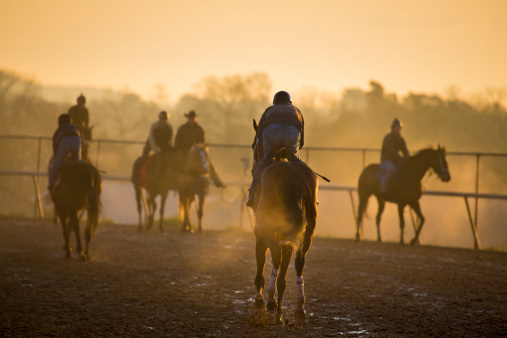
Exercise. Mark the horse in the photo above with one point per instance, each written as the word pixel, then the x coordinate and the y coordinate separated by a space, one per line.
pixel 192 182
pixel 158 178
pixel 405 188
pixel 79 189
pixel 286 216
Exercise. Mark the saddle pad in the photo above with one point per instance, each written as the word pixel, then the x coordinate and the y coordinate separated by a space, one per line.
pixel 142 171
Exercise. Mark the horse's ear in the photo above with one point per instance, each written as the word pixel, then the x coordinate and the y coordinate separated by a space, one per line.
pixel 255 124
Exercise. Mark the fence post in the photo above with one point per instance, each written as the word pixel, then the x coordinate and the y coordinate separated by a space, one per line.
pixel 38 205
pixel 98 155
pixel 478 159
pixel 477 245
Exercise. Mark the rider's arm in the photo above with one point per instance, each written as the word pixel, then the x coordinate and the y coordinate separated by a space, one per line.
pixel 302 141
pixel 151 138
pixel 404 149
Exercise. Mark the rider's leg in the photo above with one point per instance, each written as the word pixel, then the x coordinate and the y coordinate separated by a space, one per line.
pixel 67 145
pixel 146 150
pixel 271 141
pixel 384 180
pixel 291 138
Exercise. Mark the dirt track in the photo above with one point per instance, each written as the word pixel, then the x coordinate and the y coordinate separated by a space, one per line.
pixel 174 284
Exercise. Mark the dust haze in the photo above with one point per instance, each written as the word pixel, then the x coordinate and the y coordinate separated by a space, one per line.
pixel 352 118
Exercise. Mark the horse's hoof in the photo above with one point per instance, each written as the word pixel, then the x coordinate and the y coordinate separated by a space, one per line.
pixel 300 314
pixel 68 255
pixel 259 302
pixel 271 305
pixel 414 241
pixel 278 318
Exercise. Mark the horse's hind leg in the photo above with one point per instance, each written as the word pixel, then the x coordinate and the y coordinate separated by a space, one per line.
pixel 88 238
pixel 153 207
pixel 260 256
pixel 66 236
pixel 200 206
pixel 401 207
pixel 276 256
pixel 281 281
pixel 417 209
pixel 163 198
pixel 363 204
pixel 381 206
pixel 299 265
pixel 74 223
pixel 138 192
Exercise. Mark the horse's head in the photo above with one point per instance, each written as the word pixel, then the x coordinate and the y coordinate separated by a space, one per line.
pixel 439 164
pixel 198 159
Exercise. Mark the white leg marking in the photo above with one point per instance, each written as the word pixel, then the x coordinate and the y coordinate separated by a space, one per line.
pixel 272 284
pixel 300 290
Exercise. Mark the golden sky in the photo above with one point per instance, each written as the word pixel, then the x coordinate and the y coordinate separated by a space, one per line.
pixel 405 45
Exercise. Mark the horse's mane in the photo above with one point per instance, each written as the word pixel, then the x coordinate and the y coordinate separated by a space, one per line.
pixel 421 153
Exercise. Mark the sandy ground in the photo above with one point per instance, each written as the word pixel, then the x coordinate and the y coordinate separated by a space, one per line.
pixel 176 284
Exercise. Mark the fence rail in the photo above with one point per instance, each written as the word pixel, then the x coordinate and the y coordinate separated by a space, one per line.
pixel 350 189
pixel 307 151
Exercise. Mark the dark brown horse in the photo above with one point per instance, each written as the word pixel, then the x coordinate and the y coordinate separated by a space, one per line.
pixel 158 177
pixel 405 188
pixel 79 189
pixel 286 216
pixel 192 183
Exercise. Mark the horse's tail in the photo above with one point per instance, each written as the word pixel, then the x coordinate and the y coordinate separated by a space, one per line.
pixel 295 197
pixel 94 190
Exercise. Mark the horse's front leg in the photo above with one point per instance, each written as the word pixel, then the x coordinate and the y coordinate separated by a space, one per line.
pixel 401 207
pixel 417 209
pixel 281 282
pixel 260 255
pixel 163 197
pixel 200 207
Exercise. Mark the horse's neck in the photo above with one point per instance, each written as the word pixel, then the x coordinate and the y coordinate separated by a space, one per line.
pixel 418 166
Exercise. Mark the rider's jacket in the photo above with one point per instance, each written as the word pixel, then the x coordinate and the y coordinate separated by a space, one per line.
pixel 279 113
pixel 161 136
pixel 188 135
pixel 65 130
pixel 391 146
pixel 79 116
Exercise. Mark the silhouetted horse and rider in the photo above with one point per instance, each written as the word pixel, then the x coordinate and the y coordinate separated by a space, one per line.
pixel 284 196
pixel 405 188
pixel 79 188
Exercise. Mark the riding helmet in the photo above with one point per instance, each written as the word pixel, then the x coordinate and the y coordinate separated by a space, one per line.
pixel 81 98
pixel 397 122
pixel 282 97
pixel 163 115
pixel 64 118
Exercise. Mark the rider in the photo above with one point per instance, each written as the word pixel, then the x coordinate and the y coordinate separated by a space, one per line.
pixel 160 138
pixel 79 113
pixel 390 159
pixel 281 126
pixel 191 133
pixel 66 139
pixel 161 135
